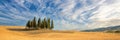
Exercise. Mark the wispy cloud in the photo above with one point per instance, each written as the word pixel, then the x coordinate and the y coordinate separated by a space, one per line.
pixel 68 14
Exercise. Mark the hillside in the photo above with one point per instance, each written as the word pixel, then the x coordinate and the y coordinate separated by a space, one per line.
pixel 104 29
pixel 19 33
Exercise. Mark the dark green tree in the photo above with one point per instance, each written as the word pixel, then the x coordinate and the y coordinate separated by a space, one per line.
pixel 39 23
pixel 34 23
pixel 52 24
pixel 44 23
pixel 48 23
pixel 28 24
pixel 31 24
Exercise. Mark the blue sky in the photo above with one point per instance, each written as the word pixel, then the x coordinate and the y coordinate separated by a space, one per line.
pixel 67 14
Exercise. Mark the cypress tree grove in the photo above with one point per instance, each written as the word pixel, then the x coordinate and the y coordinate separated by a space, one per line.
pixel 41 24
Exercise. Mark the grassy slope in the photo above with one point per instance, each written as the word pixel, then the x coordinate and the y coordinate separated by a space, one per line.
pixel 17 33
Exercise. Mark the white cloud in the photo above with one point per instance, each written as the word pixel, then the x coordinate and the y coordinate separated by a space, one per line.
pixel 103 12
pixel 107 14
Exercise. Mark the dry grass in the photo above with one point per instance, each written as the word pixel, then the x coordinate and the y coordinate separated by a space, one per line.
pixel 19 33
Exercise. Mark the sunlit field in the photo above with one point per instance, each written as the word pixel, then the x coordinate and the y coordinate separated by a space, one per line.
pixel 20 33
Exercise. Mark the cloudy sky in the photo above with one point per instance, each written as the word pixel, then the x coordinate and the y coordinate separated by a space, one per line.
pixel 67 14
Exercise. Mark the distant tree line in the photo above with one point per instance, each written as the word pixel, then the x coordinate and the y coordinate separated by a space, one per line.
pixel 40 24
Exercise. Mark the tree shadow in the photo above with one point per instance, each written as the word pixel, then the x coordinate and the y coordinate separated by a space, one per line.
pixel 32 31
pixel 19 29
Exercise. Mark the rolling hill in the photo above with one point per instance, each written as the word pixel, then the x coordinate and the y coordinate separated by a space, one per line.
pixel 104 29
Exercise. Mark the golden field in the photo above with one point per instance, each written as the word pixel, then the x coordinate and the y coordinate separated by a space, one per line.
pixel 19 33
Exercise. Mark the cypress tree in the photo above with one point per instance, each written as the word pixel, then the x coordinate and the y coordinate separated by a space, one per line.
pixel 31 24
pixel 46 26
pixel 48 23
pixel 39 23
pixel 28 24
pixel 52 24
pixel 34 23
pixel 44 23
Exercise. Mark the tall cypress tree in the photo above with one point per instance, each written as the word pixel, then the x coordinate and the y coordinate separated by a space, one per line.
pixel 28 24
pixel 52 24
pixel 48 23
pixel 44 23
pixel 46 26
pixel 34 23
pixel 39 23
pixel 31 24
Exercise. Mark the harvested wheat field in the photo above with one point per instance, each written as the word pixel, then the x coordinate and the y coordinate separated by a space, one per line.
pixel 19 33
